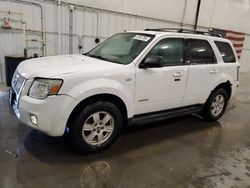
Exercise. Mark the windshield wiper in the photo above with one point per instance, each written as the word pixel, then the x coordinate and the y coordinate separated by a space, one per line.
pixel 102 58
pixel 98 57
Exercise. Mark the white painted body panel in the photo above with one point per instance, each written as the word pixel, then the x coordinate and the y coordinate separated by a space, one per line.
pixel 200 83
pixel 156 89
pixel 95 84
pixel 141 90
pixel 56 66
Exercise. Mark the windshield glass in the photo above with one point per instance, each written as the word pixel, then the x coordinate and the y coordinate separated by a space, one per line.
pixel 121 48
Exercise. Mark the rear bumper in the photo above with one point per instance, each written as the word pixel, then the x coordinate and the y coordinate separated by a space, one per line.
pixel 235 86
pixel 52 113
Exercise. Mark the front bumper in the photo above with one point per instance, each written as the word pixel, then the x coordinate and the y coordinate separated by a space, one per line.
pixel 52 113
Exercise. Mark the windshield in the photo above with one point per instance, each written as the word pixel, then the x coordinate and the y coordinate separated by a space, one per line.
pixel 121 48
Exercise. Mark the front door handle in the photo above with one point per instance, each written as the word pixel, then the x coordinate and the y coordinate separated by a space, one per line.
pixel 213 71
pixel 178 74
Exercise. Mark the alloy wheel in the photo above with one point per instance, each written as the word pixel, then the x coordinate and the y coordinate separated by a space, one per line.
pixel 98 128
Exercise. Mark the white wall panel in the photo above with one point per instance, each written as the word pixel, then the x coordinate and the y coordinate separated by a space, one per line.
pixel 52 44
pixel 245 56
pixel 104 24
pixel 89 43
pixel 227 14
pixel 112 24
pixel 78 22
pixel 88 27
pixel 162 9
pixel 245 61
pixel 27 15
pixel 50 17
pixel 119 25
pixel 89 23
pixel 65 19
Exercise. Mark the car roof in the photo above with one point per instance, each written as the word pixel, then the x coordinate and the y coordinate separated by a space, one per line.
pixel 165 33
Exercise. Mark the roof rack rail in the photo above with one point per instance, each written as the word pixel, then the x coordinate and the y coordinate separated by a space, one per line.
pixel 210 32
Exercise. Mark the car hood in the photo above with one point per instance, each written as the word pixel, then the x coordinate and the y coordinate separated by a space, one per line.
pixel 56 66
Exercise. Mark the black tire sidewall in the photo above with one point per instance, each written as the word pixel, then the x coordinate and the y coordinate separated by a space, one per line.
pixel 207 114
pixel 75 130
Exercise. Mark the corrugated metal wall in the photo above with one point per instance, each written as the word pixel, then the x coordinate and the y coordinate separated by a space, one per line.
pixel 88 24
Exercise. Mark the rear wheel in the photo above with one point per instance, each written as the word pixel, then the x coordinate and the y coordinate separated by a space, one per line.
pixel 215 105
pixel 95 127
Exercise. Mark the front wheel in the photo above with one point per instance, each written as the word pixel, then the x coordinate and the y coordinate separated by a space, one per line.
pixel 95 127
pixel 215 105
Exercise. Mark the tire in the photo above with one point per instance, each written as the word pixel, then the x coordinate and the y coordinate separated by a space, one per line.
pixel 95 127
pixel 215 105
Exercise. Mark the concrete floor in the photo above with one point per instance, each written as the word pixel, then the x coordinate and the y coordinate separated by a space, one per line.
pixel 182 152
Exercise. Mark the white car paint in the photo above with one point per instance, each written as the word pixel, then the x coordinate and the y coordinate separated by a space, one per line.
pixel 141 90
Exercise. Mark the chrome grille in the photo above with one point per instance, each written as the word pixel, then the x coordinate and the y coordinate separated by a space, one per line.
pixel 17 85
pixel 17 82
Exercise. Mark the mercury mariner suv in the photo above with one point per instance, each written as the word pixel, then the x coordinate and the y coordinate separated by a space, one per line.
pixel 132 77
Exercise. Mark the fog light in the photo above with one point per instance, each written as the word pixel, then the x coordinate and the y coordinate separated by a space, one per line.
pixel 33 119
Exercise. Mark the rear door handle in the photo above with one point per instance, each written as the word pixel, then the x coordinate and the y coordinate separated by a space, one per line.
pixel 178 74
pixel 213 71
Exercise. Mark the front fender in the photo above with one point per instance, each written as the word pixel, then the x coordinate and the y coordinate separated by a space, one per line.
pixel 93 87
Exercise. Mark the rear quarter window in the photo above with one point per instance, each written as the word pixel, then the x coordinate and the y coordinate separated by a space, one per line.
pixel 226 51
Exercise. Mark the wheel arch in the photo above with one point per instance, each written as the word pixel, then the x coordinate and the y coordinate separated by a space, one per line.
pixel 225 85
pixel 101 97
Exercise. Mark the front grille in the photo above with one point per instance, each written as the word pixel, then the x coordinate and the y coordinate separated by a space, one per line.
pixel 17 82
pixel 17 85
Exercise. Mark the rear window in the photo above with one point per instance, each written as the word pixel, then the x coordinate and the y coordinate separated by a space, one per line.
pixel 226 52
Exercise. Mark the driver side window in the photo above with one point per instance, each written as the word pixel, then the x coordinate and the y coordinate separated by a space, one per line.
pixel 171 50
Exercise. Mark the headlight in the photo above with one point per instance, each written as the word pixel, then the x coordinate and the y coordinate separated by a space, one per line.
pixel 42 87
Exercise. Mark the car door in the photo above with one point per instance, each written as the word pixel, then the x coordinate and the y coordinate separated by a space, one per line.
pixel 162 88
pixel 204 72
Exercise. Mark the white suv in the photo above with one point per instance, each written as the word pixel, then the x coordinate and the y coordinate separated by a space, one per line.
pixel 132 77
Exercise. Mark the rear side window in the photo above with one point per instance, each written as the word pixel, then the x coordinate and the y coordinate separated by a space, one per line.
pixel 201 52
pixel 226 52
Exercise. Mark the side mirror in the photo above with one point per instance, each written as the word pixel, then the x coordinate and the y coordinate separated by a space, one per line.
pixel 151 61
